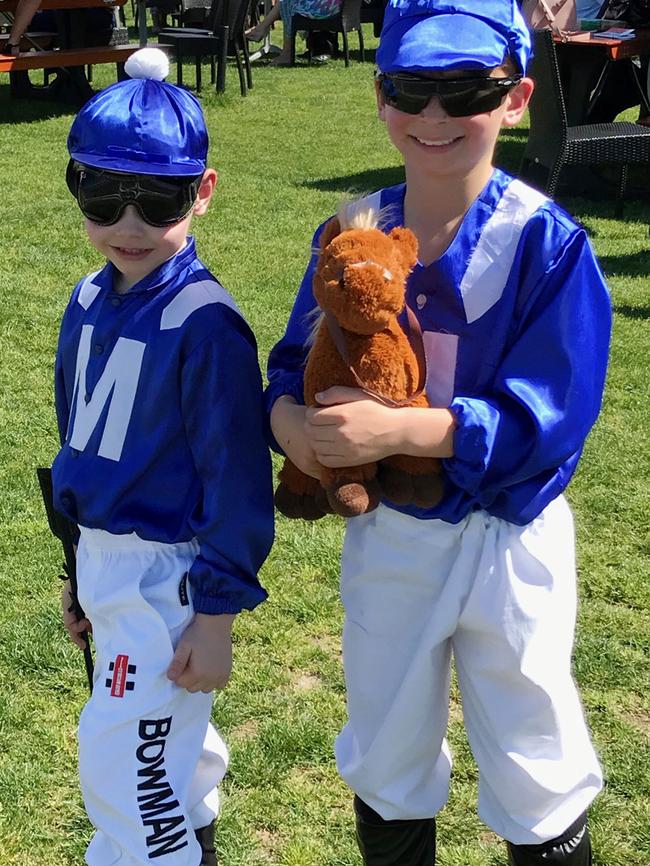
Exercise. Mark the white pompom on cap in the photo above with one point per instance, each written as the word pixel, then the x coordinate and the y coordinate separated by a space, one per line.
pixel 148 63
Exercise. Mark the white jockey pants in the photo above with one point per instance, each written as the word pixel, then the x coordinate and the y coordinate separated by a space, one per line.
pixel 149 759
pixel 502 598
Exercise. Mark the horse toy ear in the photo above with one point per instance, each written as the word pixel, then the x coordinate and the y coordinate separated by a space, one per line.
pixel 407 246
pixel 330 231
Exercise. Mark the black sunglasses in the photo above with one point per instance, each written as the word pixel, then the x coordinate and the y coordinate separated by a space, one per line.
pixel 460 97
pixel 103 195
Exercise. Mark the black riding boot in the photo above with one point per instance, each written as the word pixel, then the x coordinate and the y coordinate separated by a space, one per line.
pixel 572 848
pixel 394 843
pixel 205 837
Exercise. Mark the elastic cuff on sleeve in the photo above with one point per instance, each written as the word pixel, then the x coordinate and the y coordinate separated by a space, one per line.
pixel 215 605
pixel 472 445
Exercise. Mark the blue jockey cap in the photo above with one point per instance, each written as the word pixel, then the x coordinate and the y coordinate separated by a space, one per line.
pixel 142 125
pixel 419 35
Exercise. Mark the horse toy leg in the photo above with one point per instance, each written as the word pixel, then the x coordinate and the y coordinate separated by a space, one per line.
pixel 300 496
pixel 353 490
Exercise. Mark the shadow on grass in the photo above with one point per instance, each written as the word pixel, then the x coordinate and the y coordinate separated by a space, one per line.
pixel 509 151
pixel 30 110
pixel 631 265
pixel 302 62
pixel 355 54
pixel 629 312
pixel 520 132
pixel 363 181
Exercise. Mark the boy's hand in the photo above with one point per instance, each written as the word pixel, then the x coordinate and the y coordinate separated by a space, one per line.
pixel 73 626
pixel 203 658
pixel 349 428
pixel 288 425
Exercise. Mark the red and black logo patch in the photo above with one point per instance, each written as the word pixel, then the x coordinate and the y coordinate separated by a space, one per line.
pixel 119 683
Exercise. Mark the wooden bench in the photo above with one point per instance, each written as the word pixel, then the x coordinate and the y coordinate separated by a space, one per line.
pixel 66 57
pixel 10 5
pixel 71 84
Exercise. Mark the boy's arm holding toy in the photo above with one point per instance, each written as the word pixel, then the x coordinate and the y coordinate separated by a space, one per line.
pixel 353 428
pixel 288 425
pixel 543 401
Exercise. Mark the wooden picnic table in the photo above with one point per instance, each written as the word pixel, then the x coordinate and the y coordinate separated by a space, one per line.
pixel 613 49
pixel 71 82
pixel 67 58
pixel 10 5
pixel 586 60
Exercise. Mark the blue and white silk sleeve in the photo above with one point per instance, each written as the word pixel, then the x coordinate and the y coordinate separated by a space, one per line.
pixel 233 521
pixel 547 391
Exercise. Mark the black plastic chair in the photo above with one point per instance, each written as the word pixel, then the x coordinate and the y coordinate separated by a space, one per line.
pixel 553 144
pixel 348 18
pixel 224 37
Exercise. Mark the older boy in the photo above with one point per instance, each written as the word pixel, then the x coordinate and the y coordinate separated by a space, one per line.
pixel 163 467
pixel 516 322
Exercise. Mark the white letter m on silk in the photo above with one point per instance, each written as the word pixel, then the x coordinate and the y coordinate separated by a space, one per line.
pixel 117 385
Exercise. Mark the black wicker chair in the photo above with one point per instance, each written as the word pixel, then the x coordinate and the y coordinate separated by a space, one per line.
pixel 348 18
pixel 553 144
pixel 225 37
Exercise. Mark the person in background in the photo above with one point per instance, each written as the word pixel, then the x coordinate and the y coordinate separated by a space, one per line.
pixel 25 11
pixel 588 9
pixel 624 86
pixel 286 9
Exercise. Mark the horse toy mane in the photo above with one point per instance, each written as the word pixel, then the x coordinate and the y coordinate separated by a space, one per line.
pixel 360 286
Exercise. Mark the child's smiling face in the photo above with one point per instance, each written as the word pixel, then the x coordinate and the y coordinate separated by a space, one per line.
pixel 136 248
pixel 433 143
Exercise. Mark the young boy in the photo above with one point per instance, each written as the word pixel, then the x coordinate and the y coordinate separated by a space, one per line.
pixel 165 470
pixel 516 322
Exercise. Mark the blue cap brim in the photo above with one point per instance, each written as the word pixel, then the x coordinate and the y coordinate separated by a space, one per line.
pixel 166 168
pixel 445 42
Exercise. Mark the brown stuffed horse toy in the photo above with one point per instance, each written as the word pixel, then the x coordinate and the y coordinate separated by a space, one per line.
pixel 360 284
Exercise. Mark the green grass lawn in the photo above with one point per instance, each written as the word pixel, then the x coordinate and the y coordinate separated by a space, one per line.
pixel 286 154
